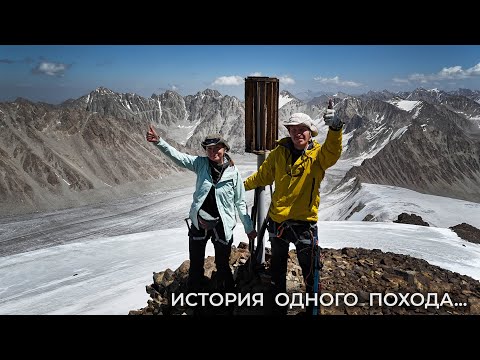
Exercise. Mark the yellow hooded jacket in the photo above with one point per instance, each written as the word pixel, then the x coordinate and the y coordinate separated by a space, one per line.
pixel 296 195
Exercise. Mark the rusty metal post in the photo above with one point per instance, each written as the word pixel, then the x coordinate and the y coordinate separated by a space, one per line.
pixel 261 132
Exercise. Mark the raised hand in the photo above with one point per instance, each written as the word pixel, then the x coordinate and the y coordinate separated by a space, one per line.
pixel 152 135
pixel 330 117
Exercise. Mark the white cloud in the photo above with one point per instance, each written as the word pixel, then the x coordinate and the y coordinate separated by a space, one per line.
pixel 50 68
pixel 418 77
pixel 401 81
pixel 336 81
pixel 233 80
pixel 287 80
pixel 447 73
pixel 474 71
pixel 452 72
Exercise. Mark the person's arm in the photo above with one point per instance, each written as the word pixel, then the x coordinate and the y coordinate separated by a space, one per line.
pixel 181 159
pixel 331 149
pixel 265 175
pixel 241 205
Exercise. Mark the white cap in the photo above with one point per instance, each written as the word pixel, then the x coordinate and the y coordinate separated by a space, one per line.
pixel 304 119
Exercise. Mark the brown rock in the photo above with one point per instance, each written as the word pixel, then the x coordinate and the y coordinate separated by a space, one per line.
pixel 474 304
pixel 413 219
pixel 348 270
pixel 467 232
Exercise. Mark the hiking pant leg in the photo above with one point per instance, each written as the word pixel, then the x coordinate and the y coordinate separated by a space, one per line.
pixel 278 268
pixel 223 249
pixel 196 248
pixel 224 275
pixel 306 260
pixel 306 255
pixel 278 264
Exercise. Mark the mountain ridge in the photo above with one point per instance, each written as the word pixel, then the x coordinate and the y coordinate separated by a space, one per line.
pixel 53 154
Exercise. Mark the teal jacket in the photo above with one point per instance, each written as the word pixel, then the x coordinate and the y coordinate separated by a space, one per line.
pixel 229 191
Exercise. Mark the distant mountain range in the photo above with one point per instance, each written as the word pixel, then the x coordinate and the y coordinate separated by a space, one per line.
pixel 309 96
pixel 424 140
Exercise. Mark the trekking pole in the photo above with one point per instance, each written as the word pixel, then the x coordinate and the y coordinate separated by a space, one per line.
pixel 251 242
pixel 316 274
pixel 261 233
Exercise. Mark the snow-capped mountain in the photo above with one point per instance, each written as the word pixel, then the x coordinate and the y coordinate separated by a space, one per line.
pixel 308 95
pixel 426 140
pixel 285 97
pixel 212 112
pixel 379 95
pixel 428 148
pixel 431 95
pixel 471 94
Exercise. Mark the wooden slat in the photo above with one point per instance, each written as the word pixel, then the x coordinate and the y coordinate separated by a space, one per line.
pixel 261 108
pixel 248 117
pixel 263 115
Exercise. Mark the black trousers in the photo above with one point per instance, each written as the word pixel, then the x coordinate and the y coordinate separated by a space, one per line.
pixel 197 242
pixel 304 235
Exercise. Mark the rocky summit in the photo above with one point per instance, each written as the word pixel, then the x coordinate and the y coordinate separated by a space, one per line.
pixel 405 285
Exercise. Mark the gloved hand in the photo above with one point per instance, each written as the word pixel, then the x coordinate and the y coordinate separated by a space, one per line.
pixel 332 120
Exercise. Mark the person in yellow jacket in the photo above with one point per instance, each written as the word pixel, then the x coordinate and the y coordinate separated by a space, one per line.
pixel 297 166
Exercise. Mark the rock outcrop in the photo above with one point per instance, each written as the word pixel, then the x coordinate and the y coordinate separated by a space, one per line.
pixel 463 230
pixel 467 232
pixel 347 271
pixel 412 219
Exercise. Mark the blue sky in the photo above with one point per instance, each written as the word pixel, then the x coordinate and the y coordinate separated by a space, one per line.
pixel 55 73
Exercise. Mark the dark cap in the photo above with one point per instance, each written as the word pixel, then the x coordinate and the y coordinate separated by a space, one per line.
pixel 214 139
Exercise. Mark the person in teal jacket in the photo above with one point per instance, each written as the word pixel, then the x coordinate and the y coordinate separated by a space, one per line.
pixel 219 190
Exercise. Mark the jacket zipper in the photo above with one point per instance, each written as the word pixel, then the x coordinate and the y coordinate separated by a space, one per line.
pixel 311 193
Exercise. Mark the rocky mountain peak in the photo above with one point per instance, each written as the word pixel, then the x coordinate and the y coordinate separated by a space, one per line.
pixel 379 95
pixel 210 92
pixel 99 119
pixel 432 96
pixel 102 91
pixel 340 95
pixel 21 100
pixel 168 95
pixel 430 151
pixel 287 93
